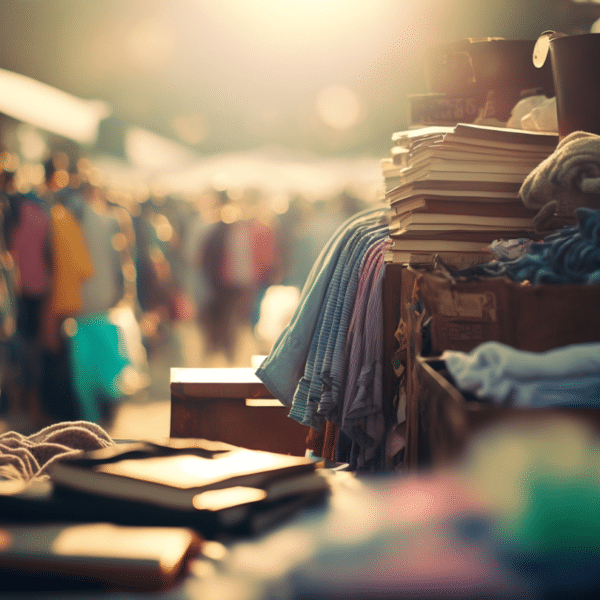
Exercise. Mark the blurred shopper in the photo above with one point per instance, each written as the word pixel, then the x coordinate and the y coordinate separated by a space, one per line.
pixel 16 387
pixel 238 259
pixel 153 279
pixel 71 264
pixel 104 341
pixel 195 230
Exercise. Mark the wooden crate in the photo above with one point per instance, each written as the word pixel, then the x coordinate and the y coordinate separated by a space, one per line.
pixel 448 419
pixel 465 314
pixel 232 405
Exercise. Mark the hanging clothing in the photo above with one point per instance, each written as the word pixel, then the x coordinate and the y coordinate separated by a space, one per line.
pixel 340 291
pixel 346 339
pixel 284 366
pixel 369 430
pixel 104 288
pixel 28 245
pixel 71 263
pixel 340 391
pixel 365 343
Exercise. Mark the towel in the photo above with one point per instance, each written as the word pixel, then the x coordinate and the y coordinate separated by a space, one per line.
pixel 564 376
pixel 568 179
pixel 28 457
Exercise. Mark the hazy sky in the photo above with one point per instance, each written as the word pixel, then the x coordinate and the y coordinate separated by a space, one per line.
pixel 329 76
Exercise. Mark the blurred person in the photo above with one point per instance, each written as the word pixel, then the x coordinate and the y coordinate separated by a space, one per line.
pixel 265 241
pixel 102 343
pixel 100 227
pixel 218 316
pixel 195 229
pixel 153 279
pixel 70 265
pixel 238 259
pixel 17 388
pixel 27 229
pixel 174 215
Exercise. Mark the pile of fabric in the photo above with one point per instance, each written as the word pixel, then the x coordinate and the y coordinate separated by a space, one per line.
pixel 567 180
pixel 327 363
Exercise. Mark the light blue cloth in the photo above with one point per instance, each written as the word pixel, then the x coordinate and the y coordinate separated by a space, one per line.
pixel 567 376
pixel 283 368
pixel 333 370
pixel 342 291
pixel 327 331
pixel 331 404
pixel 308 394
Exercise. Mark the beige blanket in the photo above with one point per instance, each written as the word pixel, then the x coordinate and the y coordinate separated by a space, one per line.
pixel 568 179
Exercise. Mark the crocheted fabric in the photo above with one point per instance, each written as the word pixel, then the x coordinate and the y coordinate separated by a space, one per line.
pixel 28 457
pixel 568 179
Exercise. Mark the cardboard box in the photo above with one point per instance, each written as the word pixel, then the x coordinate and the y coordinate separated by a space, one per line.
pixel 440 109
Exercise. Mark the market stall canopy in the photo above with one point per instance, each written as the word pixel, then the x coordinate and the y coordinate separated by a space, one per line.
pixel 48 108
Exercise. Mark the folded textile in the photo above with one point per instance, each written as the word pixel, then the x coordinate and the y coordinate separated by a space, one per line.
pixel 28 457
pixel 567 376
pixel 286 363
pixel 568 179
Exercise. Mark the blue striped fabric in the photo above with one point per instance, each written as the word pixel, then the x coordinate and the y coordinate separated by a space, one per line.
pixel 344 303
pixel 333 369
pixel 308 394
pixel 348 357
pixel 283 368
pixel 348 264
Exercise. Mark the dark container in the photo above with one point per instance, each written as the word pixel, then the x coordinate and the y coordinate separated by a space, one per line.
pixel 575 61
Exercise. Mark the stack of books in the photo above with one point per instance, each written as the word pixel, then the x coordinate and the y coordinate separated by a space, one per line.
pixel 454 190
pixel 210 487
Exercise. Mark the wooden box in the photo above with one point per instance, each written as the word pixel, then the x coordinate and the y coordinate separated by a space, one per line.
pixel 448 419
pixel 232 405
pixel 465 314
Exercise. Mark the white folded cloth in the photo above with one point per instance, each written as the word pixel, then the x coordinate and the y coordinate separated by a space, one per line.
pixel 567 376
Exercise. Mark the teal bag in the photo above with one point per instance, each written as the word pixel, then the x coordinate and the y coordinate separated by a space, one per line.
pixel 98 356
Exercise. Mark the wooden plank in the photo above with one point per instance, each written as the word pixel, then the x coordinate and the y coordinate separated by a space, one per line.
pixel 218 383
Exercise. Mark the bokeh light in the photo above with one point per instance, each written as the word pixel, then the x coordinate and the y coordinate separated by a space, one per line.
pixel 338 106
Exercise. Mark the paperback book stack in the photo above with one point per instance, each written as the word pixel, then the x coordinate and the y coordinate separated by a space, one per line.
pixel 210 487
pixel 454 190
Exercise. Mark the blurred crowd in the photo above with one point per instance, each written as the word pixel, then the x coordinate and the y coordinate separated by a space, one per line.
pixel 92 280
